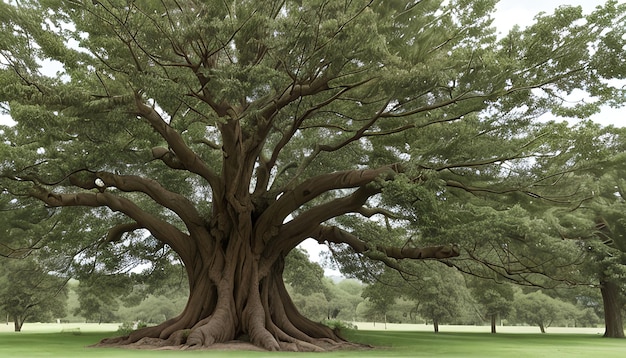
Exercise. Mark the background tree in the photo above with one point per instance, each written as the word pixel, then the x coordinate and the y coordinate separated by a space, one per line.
pixel 304 276
pixel 28 292
pixel 99 297
pixel 32 273
pixel 598 223
pixel 495 298
pixel 440 296
pixel 349 296
pixel 381 297
pixel 539 309
pixel 233 131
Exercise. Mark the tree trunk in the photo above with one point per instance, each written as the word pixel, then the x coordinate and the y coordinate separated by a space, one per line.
pixel 493 322
pixel 18 322
pixel 237 303
pixel 542 328
pixel 436 325
pixel 612 309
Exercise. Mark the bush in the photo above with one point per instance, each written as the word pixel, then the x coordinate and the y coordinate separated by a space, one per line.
pixel 127 327
pixel 338 326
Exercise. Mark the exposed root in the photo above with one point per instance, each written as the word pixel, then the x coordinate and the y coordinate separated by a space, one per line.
pixel 253 314
pixel 219 328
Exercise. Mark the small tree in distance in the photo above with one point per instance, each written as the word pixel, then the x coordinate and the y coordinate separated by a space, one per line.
pixel 537 308
pixel 29 293
pixel 495 299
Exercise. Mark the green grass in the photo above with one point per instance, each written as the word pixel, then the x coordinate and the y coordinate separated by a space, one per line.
pixel 388 343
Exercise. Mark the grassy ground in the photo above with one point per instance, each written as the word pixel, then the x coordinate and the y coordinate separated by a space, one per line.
pixel 388 343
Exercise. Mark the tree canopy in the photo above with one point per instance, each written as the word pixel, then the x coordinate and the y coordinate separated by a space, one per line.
pixel 229 132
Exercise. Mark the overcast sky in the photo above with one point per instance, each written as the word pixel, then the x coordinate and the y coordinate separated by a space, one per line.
pixel 511 12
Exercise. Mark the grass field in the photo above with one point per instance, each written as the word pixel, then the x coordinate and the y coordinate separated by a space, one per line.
pixel 49 341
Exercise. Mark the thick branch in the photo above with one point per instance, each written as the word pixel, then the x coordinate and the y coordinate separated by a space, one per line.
pixel 335 235
pixel 187 157
pixel 132 183
pixel 160 229
pixel 297 230
pixel 116 232
pixel 313 187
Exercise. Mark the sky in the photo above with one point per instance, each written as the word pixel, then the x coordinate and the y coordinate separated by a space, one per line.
pixel 508 13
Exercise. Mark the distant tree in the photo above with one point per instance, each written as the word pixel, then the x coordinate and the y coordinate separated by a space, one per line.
pixel 153 309
pixel 495 298
pixel 380 299
pixel 28 292
pixel 539 309
pixel 308 284
pixel 304 276
pixel 99 296
pixel 351 298
pixel 440 296
pixel 314 306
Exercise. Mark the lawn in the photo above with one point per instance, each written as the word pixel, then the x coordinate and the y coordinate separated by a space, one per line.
pixel 388 344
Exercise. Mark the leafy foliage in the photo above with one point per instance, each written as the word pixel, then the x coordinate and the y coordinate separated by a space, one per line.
pixel 28 292
pixel 223 134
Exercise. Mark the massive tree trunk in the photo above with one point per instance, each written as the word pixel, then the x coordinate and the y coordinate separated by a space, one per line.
pixel 613 304
pixel 237 303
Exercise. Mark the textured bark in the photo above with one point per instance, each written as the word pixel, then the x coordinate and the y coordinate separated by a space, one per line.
pixel 241 306
pixel 613 304
pixel 18 322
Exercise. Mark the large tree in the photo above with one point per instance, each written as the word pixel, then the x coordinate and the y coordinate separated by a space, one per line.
pixel 232 131
pixel 598 223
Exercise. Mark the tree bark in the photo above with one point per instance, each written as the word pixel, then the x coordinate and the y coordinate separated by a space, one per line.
pixel 613 303
pixel 18 322
pixel 542 328
pixel 237 303
pixel 493 322
pixel 436 325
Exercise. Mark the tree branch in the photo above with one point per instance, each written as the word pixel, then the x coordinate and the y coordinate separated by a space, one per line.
pixel 132 183
pixel 313 187
pixel 188 158
pixel 116 232
pixel 333 234
pixel 160 229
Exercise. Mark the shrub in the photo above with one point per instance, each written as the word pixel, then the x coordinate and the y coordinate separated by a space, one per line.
pixel 127 327
pixel 338 326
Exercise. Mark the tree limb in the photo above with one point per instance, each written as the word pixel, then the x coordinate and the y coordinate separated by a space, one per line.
pixel 333 234
pixel 116 232
pixel 160 229
pixel 187 157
